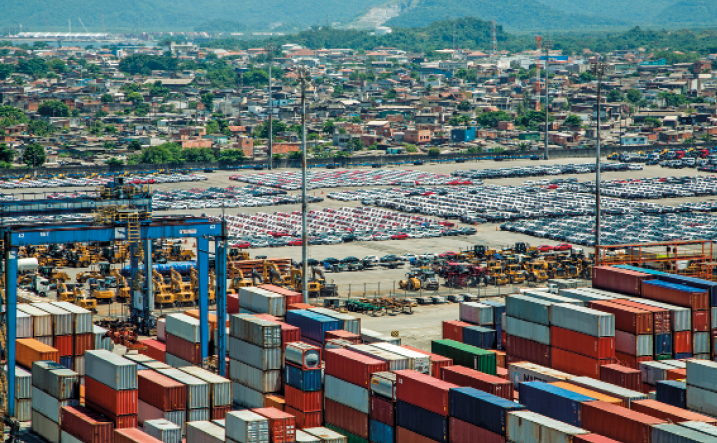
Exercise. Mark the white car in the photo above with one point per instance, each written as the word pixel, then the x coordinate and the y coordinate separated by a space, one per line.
pixel 371 259
pixel 408 257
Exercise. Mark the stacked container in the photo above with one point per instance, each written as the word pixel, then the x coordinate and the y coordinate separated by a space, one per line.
pixel 246 427
pixel 681 326
pixel 478 416
pixel 111 387
pixel 303 383
pixel 41 323
pixel 161 398
pixel 346 322
pixel 85 425
pixel 197 394
pixel 527 329
pixel 282 425
pixel 701 386
pixel 205 432
pixel 220 391
pixel 53 387
pixel 382 408
pixel 313 325
pixel 183 346
pixel 83 338
pixel 255 359
pixel 261 301
pixel 554 402
pixel 634 331
pixel 23 393
pixel 466 355
pixel 422 404
pixel 163 430
pixel 61 331
pixel 102 341
pixel 463 376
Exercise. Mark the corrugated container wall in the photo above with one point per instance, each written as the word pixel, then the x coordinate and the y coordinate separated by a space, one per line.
pixel 110 369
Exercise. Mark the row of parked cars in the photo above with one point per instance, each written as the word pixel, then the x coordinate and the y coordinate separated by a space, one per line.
pixel 652 188
pixel 97 181
pixel 539 170
pixel 231 197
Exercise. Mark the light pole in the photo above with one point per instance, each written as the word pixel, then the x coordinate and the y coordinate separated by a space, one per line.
pixel 303 79
pixel 547 45
pixel 270 48
pixel 598 70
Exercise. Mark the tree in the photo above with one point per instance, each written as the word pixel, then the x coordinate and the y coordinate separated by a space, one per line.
pixel 34 155
pixel 390 94
pixel 208 100
pixel 166 153
pixel 328 127
pixel 295 154
pixel 54 108
pixel 355 144
pixel 231 156
pixel 573 120
pixel 135 145
pixel 411 149
pixel 135 97
pixel 107 98
pixel 57 65
pixel 652 122
pixel 6 71
pixel 475 149
pixel 672 99
pixel 706 137
pixel 198 155
pixel 213 127
pixel 159 89
pixel 464 106
pixel 101 113
pixel 633 95
pixel 586 77
pixel 6 153
pixel 434 152
pixel 262 131
pixel 491 119
pixel 522 147
pixel 615 95
pixel 338 90
pixel 256 77
pixel 114 161
pixel 10 116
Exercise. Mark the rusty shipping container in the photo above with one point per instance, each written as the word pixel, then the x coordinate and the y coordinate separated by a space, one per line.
pixel 680 295
pixel 155 349
pixel 160 391
pixel 82 343
pixel 383 410
pixel 346 418
pixel 631 361
pixel 577 364
pixel 403 435
pixel 115 402
pixel 306 419
pixel 282 426
pixel 86 425
pixel 628 378
pixel 633 320
pixel 618 423
pixel 303 401
pixel 453 330
pixel 120 421
pixel 599 348
pixel 618 280
pixel 528 350
pixel 460 431
pixel 670 413
pixel 184 349
pixel 492 384
pixel 661 318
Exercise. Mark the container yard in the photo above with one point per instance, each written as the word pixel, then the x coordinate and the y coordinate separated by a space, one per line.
pixel 134 328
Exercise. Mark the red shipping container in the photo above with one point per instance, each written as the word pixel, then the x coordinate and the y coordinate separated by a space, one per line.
pixel 343 335
pixel 423 391
pixel 630 360
pixel 617 422
pixel 120 421
pixel 700 321
pixel 676 374
pixel 219 412
pixel 161 391
pixel 503 340
pixel 628 319
pixel 623 376
pixel 306 419
pixel 527 350
pixel 499 358
pixel 618 280
pixel 134 436
pixel 577 364
pixel 697 300
pixel 501 373
pixel 282 426
pixel 346 418
pixel 403 435
pixel 599 348
pixel 115 402
pixel 302 401
pixel 187 351
pixel 592 438
pixel 382 410
pixel 233 303
pixel 437 361
pixel 63 343
pixel 669 413
pixel 453 330
pixel 83 342
pixel 463 432
pixel 290 296
pixel 155 349
pixel 86 425
pixel 299 306
pixel 661 318
pixel 462 376
pixel 289 333
pixel 352 367
pixel 682 342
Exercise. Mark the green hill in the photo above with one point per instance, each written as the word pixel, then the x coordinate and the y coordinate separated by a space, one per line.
pixel 689 12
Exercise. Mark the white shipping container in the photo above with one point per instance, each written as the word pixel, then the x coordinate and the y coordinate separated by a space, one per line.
pixel 714 318
pixel 395 362
pixel 202 414
pixel 23 327
pixel 204 432
pixel 101 339
pixel 111 370
pixel 62 384
pixel 527 330
pixel 262 301
pixel 700 342
pixel 326 435
pixel 61 319
pixel 254 378
pixel 23 382
pixel 631 344
pixel 417 361
pixel 176 362
pixel 702 374
pixel 81 317
pixel 247 427
pixel 369 336
pixel 162 330
pixel 184 327
pixel 49 406
pixel 266 359
pixel 259 332
pixel 147 412
pixel 45 428
pixel 246 397
pixel 674 433
pixel 526 372
pixel 163 430
pixel 347 394
pixel 41 320
pixel 220 387
pixel 303 437
pixel 554 298
pixel 701 400
pixel 67 438
pixel 476 313
pixel 704 428
pixel 46 340
pixel 79 365
pixel 584 320
pixel 609 389
pixel 23 409
pixel 529 427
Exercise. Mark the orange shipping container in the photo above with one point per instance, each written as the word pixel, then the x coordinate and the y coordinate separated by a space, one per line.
pixel 83 342
pixel 28 350
pixel 275 401
pixel 589 393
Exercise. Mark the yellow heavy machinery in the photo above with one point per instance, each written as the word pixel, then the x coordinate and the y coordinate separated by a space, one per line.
pixel 163 294
pixel 181 289
pixel 516 274
pixel 74 294
pixel 194 276
pixel 53 274
pixel 83 277
pixel 176 253
pixel 237 279
pixel 237 254
pixel 123 291
pixel 317 285
pixel 271 274
pixel 100 291
pixel 537 270
pixel 496 276
pixel 410 283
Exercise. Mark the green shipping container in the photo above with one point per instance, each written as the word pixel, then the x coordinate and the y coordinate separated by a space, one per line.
pixel 663 357
pixel 350 438
pixel 466 355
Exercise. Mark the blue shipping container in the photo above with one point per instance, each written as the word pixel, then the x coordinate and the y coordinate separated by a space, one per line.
pixel 638 269
pixel 554 402
pixel 66 362
pixel 312 325
pixel 498 310
pixel 421 421
pixel 709 286
pixel 481 408
pixel 303 380
pixel 683 356
pixel 480 337
pixel 663 344
pixel 380 432
pixel 672 392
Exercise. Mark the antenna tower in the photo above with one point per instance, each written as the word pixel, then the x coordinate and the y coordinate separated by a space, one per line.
pixel 494 39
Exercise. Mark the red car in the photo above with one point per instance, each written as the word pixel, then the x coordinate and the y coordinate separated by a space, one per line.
pixel 399 236
pixel 243 245
pixel 294 243
pixel 446 223
pixel 448 255
pixel 563 247
pixel 545 248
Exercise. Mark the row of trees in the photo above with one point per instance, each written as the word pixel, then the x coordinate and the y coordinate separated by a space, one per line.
pixel 33 155
pixel 172 154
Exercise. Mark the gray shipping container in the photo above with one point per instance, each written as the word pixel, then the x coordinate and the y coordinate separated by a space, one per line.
pixel 163 430
pixel 259 332
pixel 679 364
pixel 525 372
pixel 201 414
pixel 704 428
pixel 63 384
pixel 714 318
pixel 476 313
pixel 222 423
pixel 23 382
pixel 157 364
pixel 553 298
pixel 254 378
pixel 41 320
pixel 197 390
pixel 583 295
pixel 45 428
pixel 638 345
pixel 262 301
pixel 700 342
pixel 81 317
pixel 347 394
pixel 369 336
pixel 61 319
pixel 529 427
pixel 49 406
pixel 24 325
pixel 326 435
pixel 527 330
pixel 303 437
pixel 395 362
pixel 384 384
pixel 147 412
pixel 139 358
pixel 247 427
pixel 176 362
pixel 23 409
pixel 626 395
pixel 702 374
pixel 348 322
pixel 220 387
pixel 183 326
pixel 584 320
pixel 110 369
pixel 701 400
pixel 680 318
pixel 654 371
pixel 417 361
pixel 246 397
pixel 67 438
pixel 162 330
pixel 204 432
pixel 528 309
pixel 672 433
pixel 101 340
pixel 253 355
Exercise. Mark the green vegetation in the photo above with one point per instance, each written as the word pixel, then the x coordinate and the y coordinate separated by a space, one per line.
pixel 6 156
pixel 114 162
pixel 53 108
pixel 34 155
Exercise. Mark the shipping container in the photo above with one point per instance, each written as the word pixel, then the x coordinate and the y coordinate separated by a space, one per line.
pixel 421 421
pixel 205 432
pixel 347 394
pixel 147 412
pixel 161 391
pixel 535 332
pixel 466 355
pixel 368 336
pixel 531 351
pixel 577 364
pixel 460 431
pixel 247 427
pixel 416 361
pixel 262 301
pixel 102 341
pixel 303 437
pixel 49 406
pixel 312 324
pixel 453 330
pixel 461 376
pixel 631 361
pixel 61 383
pixel 701 321
pixel 23 328
pixel 352 367
pixel 583 320
pixel 476 313
pixel 626 395
pixel 347 418
pixel 383 410
pixel 680 317
pixel 45 428
pixel 183 326
pixel 161 329
pixel 701 427
pixel 282 426
pixel 481 408
pixel 672 414
pixel 23 382
pixel 63 344
pixel 219 412
pixel 220 388
pixel 259 332
pixel 119 421
pixel 599 348
pixel 133 435
pixel 661 318
pixel 525 371
pixel 41 320
pixel 289 295
pixel 700 399
pixel 618 423
pixel 628 319
pixel 404 435
pixel 122 402
pixel 203 414
pixel 303 380
pixel 163 430
pixel 528 308
pixel 303 401
pixel 701 343
pixel 326 435
pixel 636 345
pixel 29 350
pixel 424 391
pixel 654 371
pixel 676 294
pixel 384 384
pixel 175 362
pixel 622 376
pixel 183 349
pixel 83 343
pixel 61 319
pixel 86 425
pixel 672 433
pixel 672 392
pixel 480 337
pixel 254 378
pixel 303 355
pixel 524 426
pixel 111 370
pixel 553 401
pixel 618 280
pixel 589 393
pixel 437 361
pixel 380 432
pixel 306 419
pixel 343 335
pixel 346 322
pixel 702 374
pixel 197 393
pixel 81 317
pixel 256 356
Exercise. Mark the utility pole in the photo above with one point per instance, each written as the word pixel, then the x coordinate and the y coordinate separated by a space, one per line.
pixel 598 70
pixel 547 45
pixel 304 78
pixel 270 48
